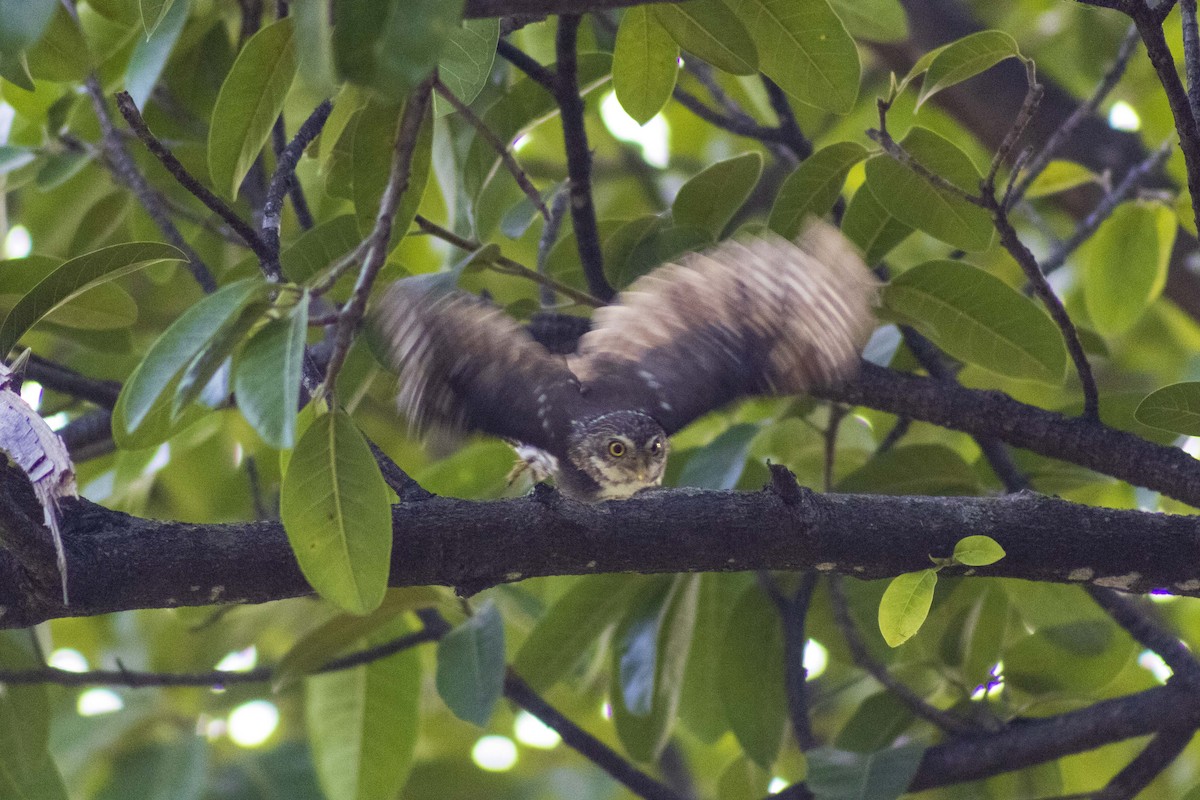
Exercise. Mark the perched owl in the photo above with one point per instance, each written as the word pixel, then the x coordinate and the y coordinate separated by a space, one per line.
pixel 756 315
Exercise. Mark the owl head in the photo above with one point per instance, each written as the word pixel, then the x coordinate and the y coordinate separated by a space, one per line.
pixel 623 451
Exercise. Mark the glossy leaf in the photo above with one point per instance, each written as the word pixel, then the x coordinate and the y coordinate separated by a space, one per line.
pixel 978 551
pixel 470 666
pixel 882 775
pixel 751 677
pixel 965 59
pixel 813 188
pixel 151 52
pixel 153 383
pixel 1125 264
pixel 336 511
pixel 77 276
pixel 645 64
pixel 873 20
pixel 251 99
pixel 869 225
pixel 267 377
pixel 709 29
pixel 1173 408
pixel 466 60
pixel 804 47
pixel 555 645
pixel 917 203
pixel 709 199
pixel 333 637
pixel 905 605
pixel 978 318
pixel 363 723
pixel 929 469
pixel 650 653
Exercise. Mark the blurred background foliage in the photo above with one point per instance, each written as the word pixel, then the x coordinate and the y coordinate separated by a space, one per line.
pixel 991 649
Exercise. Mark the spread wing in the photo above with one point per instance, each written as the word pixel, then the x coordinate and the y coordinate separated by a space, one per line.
pixel 465 365
pixel 761 315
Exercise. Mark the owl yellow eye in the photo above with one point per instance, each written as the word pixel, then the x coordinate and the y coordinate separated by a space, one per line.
pixel 616 449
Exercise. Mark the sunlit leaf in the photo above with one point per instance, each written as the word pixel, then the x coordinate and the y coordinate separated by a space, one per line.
pixel 1173 408
pixel 334 506
pixel 251 99
pixel 965 59
pixel 905 605
pixel 1125 264
pixel 873 20
pixel 712 31
pixel 1059 176
pixel 978 551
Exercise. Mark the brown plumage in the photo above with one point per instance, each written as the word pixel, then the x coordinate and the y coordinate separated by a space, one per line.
pixel 758 315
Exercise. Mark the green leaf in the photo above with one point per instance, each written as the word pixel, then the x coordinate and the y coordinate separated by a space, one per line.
pixel 410 42
pixel 1076 657
pixel 875 724
pixel 525 105
pixel 27 771
pixel 466 60
pixel 267 377
pixel 710 198
pixel 905 605
pixel 12 157
pixel 153 13
pixel 882 775
pixel 363 723
pixel 712 31
pixel 75 277
pixel 14 68
pixel 1125 264
pixel 319 247
pixel 62 53
pixel 873 20
pixel 1060 176
pixel 929 469
pixel 978 551
pixel 743 780
pixel 719 464
pixel 978 318
pixel 176 769
pixel 649 656
pixel 250 100
pixel 645 64
pixel 700 708
pixel 814 187
pixel 374 135
pixel 571 625
pixel 804 47
pixel 214 357
pixel 965 59
pixel 335 509
pixel 154 380
pixel 314 49
pixel 330 639
pixel 1173 408
pixel 105 307
pixel 470 666
pixel 24 22
pixel 869 225
pixel 751 676
pixel 151 52
pixel 919 204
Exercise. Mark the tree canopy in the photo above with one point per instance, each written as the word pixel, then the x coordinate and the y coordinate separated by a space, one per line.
pixel 970 570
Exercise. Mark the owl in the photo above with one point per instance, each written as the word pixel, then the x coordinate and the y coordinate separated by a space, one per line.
pixel 755 315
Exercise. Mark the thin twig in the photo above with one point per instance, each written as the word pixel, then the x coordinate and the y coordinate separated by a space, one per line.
pixel 1191 54
pixel 1024 116
pixel 397 479
pixel 526 63
pixel 600 754
pixel 282 179
pixel 501 147
pixel 1162 750
pixel 1085 109
pixel 1142 624
pixel 739 124
pixel 789 130
pixel 128 173
pixel 295 190
pixel 893 148
pixel 66 380
pixel 579 157
pixel 188 181
pixel 506 265
pixel 793 617
pixel 558 210
pixel 376 255
pixel 866 662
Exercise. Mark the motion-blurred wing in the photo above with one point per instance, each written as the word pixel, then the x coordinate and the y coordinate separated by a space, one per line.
pixel 465 365
pixel 760 315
